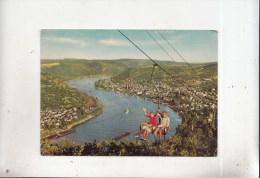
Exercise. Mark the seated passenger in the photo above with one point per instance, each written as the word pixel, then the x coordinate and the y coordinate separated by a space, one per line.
pixel 150 126
pixel 158 113
pixel 165 123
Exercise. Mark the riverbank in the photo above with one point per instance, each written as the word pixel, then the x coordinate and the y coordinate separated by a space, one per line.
pixel 69 129
pixel 56 133
pixel 114 119
pixel 175 109
pixel 88 77
pixel 197 101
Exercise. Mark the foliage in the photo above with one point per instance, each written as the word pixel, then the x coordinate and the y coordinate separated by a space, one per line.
pixel 175 146
pixel 56 94
pixel 60 147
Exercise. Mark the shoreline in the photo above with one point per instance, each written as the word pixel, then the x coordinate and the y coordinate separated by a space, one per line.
pixel 87 77
pixel 70 128
pixel 165 104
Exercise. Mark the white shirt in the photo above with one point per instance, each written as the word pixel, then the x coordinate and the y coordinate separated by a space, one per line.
pixel 165 121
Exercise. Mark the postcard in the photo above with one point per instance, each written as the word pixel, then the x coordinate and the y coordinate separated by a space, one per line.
pixel 129 92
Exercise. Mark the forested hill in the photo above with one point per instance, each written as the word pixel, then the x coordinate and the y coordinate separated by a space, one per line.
pixel 56 94
pixel 77 68
pixel 183 71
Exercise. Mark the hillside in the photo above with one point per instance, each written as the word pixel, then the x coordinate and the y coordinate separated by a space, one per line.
pixel 62 105
pixel 78 68
pixel 56 94
pixel 181 73
pixel 71 69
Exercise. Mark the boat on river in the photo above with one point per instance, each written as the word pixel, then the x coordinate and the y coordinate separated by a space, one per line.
pixel 120 136
pixel 126 111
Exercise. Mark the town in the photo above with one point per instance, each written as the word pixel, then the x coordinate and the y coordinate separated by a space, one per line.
pixel 51 118
pixel 188 102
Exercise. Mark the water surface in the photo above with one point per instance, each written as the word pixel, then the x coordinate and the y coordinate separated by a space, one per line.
pixel 114 119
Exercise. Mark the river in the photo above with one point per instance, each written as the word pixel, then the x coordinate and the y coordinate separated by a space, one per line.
pixel 114 119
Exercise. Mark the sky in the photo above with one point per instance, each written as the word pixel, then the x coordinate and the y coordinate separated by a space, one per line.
pixel 193 45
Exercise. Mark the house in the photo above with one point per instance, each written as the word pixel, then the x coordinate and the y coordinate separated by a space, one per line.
pixel 139 92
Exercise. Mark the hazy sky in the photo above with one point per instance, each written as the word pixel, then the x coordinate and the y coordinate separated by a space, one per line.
pixel 193 45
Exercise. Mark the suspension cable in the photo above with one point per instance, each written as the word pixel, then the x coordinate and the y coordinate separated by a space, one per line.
pixel 179 54
pixel 157 64
pixel 159 45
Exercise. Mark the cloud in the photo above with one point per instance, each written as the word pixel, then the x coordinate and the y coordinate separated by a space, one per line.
pixel 114 42
pixel 67 40
pixel 147 42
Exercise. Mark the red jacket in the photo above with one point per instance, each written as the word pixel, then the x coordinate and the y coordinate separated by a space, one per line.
pixel 152 120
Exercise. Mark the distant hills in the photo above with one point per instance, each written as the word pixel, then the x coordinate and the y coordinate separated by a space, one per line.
pixel 76 68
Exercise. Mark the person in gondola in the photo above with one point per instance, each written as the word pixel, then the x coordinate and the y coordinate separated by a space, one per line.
pixel 159 115
pixel 149 126
pixel 165 123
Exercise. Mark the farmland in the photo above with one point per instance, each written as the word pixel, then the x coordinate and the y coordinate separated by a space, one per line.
pixel 48 65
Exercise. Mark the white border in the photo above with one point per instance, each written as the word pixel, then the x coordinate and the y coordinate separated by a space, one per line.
pixel 238 26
